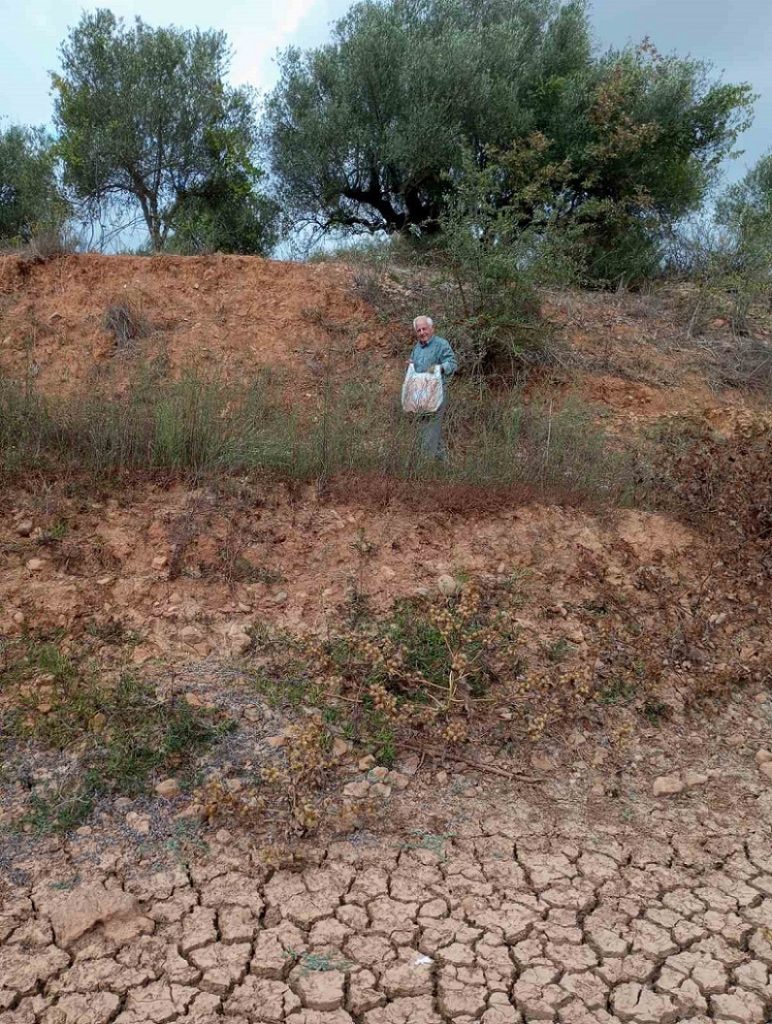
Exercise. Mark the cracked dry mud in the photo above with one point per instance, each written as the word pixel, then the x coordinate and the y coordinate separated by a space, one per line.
pixel 490 925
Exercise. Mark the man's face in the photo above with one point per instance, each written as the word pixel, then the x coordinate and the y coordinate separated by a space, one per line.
pixel 423 331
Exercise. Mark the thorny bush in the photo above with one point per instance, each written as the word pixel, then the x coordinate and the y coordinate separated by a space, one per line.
pixel 722 480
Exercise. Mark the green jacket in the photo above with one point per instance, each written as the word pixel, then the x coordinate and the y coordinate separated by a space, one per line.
pixel 436 352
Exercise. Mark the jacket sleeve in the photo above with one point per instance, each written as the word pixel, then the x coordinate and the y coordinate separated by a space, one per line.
pixel 448 359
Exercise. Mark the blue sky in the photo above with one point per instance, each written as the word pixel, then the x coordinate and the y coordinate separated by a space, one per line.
pixel 736 37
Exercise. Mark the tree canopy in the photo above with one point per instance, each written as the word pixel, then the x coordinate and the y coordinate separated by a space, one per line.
pixel 369 131
pixel 146 121
pixel 30 198
pixel 746 208
pixel 376 130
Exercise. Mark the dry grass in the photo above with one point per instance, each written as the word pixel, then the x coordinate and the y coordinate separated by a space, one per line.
pixel 191 429
pixel 126 321
pixel 722 484
pixel 744 364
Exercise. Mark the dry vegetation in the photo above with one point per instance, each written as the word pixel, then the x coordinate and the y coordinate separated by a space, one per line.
pixel 618 404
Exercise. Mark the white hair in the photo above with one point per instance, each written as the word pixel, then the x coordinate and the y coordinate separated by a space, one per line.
pixel 428 319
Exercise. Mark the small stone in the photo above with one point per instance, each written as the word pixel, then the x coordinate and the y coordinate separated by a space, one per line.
pixel 35 564
pixel 276 741
pixel 542 763
pixel 378 774
pixel 410 765
pixel 19 618
pixel 159 562
pixel 192 812
pixel 366 763
pixel 447 585
pixel 24 528
pixel 356 790
pixel 280 598
pixel 667 785
pixel 766 769
pixel 168 788
pixel 398 781
pixel 693 779
pixel 380 789
pixel 98 721
pixel 441 778
pixel 139 823
pixel 252 713
pixel 340 747
pixel 239 641
pixel 763 757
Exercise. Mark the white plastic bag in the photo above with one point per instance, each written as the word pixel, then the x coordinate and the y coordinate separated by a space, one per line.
pixel 422 392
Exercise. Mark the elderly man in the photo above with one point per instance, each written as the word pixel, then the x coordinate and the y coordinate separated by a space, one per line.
pixel 432 351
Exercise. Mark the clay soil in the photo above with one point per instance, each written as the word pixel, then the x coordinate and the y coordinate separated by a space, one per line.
pixel 613 866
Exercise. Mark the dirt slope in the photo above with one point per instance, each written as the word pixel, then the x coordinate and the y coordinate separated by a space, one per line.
pixel 219 315
pixel 611 866
pixel 229 316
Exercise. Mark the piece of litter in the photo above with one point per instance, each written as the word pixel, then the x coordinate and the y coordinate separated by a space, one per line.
pixel 420 961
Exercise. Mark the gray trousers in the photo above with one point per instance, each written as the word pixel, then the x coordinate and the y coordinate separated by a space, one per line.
pixel 430 434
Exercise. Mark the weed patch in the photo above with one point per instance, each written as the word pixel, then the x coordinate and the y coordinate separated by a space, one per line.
pixel 432 669
pixel 117 736
pixel 188 429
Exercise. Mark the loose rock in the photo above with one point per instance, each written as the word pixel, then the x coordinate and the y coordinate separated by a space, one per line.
pixel 668 785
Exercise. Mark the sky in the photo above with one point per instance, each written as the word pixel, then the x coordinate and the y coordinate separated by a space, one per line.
pixel 736 37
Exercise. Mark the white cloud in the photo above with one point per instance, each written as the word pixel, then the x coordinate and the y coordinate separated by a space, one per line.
pixel 255 45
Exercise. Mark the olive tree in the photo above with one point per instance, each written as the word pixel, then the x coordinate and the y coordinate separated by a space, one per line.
pixel 371 130
pixel 30 198
pixel 379 129
pixel 146 121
